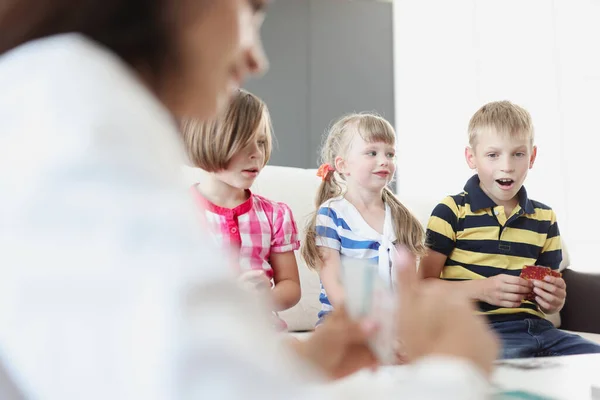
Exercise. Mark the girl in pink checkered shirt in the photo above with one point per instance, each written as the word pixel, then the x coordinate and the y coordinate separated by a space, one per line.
pixel 263 234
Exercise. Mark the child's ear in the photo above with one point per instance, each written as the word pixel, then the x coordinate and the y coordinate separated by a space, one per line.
pixel 533 156
pixel 340 165
pixel 470 157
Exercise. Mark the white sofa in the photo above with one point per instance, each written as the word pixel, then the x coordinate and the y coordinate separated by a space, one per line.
pixel 297 187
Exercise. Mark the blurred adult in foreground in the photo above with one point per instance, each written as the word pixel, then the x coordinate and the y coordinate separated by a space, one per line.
pixel 108 289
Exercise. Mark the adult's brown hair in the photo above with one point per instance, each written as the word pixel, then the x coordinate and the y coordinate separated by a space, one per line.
pixel 136 30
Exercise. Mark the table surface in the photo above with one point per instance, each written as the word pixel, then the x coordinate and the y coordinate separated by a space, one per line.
pixel 567 377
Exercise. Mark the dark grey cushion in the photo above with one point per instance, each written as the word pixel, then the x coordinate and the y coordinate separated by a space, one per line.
pixel 582 308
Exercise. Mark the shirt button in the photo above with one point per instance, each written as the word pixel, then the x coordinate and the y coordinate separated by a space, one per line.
pixel 233 230
pixel 496 212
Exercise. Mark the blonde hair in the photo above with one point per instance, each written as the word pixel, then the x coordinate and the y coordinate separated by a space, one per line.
pixel 371 128
pixel 211 145
pixel 505 118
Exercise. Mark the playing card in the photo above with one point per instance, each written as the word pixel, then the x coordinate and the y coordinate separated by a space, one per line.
pixel 538 272
pixel 535 272
pixel 367 294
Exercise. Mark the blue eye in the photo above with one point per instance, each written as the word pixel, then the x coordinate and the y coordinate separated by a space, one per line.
pixel 391 155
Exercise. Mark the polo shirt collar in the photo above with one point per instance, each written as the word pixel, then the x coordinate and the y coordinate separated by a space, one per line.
pixel 479 200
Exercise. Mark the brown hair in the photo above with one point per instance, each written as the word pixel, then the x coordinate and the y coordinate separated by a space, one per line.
pixel 372 128
pixel 211 145
pixel 505 118
pixel 138 31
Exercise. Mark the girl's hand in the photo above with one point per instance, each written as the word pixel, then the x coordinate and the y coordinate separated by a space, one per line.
pixel 255 280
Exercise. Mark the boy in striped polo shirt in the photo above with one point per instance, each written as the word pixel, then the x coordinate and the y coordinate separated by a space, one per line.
pixel 480 240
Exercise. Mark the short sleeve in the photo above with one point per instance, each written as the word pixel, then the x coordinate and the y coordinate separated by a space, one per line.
pixel 551 255
pixel 285 232
pixel 326 229
pixel 441 228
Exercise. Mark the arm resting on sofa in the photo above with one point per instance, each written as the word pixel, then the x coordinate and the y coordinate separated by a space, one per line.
pixel 582 307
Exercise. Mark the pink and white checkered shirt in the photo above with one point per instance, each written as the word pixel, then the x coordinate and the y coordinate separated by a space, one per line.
pixel 256 228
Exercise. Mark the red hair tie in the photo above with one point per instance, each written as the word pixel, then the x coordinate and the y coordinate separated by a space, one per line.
pixel 324 171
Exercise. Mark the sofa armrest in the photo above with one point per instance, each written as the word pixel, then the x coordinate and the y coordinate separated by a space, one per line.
pixel 581 311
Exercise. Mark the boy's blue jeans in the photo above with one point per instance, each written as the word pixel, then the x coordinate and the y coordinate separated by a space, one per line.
pixel 536 337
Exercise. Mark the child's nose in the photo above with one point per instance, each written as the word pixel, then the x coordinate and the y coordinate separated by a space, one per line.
pixel 254 150
pixel 508 166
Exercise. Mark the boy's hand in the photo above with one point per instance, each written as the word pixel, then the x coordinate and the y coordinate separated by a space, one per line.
pixel 505 290
pixel 550 294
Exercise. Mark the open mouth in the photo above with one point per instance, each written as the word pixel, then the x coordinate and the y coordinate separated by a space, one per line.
pixel 383 174
pixel 506 183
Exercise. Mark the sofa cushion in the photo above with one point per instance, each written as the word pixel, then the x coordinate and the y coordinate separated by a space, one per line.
pixel 581 312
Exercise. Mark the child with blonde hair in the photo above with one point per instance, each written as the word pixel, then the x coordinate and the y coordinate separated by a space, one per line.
pixel 482 239
pixel 357 215
pixel 233 149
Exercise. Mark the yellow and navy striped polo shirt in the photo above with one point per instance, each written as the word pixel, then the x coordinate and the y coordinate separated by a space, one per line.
pixel 480 241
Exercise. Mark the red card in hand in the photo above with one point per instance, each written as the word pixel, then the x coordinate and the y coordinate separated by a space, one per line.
pixel 535 272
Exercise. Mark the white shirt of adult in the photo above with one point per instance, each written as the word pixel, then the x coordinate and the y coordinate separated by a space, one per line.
pixel 107 288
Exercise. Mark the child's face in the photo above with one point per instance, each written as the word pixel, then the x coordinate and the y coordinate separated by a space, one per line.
pixel 245 165
pixel 502 163
pixel 369 165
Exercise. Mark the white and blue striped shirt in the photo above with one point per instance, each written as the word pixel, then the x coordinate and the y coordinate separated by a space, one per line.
pixel 340 226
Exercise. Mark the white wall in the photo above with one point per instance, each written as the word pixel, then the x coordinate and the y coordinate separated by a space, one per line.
pixel 321 66
pixel 451 57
